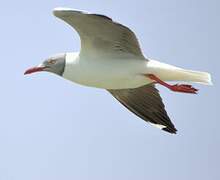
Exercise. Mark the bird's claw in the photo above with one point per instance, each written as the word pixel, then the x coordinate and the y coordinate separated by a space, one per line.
pixel 185 88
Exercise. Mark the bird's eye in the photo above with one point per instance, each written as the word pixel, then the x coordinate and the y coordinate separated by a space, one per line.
pixel 52 61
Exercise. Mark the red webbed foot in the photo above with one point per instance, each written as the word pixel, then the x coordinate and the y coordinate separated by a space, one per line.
pixel 185 88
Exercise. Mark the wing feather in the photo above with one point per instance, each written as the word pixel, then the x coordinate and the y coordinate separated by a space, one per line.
pixel 100 35
pixel 146 103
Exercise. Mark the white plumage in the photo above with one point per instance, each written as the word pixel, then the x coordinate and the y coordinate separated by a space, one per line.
pixel 111 58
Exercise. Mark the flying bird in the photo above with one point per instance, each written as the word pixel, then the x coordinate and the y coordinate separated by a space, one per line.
pixel 111 58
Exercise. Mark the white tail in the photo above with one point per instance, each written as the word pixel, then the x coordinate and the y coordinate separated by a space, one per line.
pixel 195 76
pixel 171 73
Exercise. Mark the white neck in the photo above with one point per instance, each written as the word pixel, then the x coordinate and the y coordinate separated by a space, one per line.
pixel 71 66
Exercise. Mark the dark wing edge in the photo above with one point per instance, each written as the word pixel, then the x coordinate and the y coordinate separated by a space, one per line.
pixel 147 104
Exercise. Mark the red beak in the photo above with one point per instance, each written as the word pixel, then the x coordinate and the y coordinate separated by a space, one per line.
pixel 34 69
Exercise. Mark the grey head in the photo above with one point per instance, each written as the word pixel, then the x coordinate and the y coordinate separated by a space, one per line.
pixel 54 64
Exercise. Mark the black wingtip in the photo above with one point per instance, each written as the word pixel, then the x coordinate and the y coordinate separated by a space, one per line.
pixel 170 130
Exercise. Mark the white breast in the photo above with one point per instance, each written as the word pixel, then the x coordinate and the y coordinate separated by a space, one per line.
pixel 105 73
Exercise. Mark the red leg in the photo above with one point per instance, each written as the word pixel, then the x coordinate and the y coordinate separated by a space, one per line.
pixel 185 88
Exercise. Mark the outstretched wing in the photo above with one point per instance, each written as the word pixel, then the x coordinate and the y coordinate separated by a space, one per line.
pixel 146 103
pixel 100 35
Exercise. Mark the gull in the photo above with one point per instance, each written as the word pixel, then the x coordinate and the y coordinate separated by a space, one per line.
pixel 111 58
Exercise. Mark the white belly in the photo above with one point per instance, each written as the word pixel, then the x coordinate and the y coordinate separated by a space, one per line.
pixel 106 74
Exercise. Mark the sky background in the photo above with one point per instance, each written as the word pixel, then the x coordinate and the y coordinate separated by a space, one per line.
pixel 52 129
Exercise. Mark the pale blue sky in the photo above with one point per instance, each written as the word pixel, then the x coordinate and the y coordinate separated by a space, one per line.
pixel 51 129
